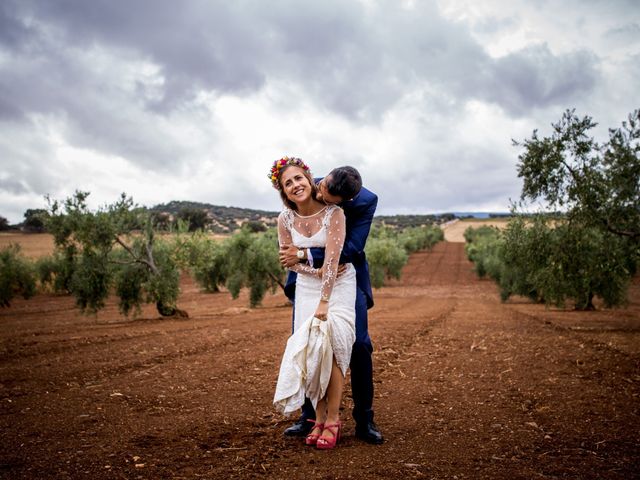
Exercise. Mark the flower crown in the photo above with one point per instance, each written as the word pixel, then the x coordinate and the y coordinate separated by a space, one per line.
pixel 278 165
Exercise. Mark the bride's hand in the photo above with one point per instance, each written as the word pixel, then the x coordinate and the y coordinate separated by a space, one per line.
pixel 322 310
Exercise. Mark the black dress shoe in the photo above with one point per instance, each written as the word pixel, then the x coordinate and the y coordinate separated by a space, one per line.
pixel 369 433
pixel 299 429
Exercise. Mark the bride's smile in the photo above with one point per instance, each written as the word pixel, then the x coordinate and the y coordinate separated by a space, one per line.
pixel 295 184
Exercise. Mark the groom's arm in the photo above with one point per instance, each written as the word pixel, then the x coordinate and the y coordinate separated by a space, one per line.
pixel 357 232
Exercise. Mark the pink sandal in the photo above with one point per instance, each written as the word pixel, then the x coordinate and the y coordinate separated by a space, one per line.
pixel 326 443
pixel 312 438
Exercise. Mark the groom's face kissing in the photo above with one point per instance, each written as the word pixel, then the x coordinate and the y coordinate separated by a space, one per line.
pixel 323 192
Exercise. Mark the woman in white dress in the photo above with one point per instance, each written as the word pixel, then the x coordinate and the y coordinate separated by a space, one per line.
pixel 317 355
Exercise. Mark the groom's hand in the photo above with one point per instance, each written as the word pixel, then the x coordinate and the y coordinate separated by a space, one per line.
pixel 288 257
pixel 341 269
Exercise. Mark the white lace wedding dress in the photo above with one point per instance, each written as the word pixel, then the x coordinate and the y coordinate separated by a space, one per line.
pixel 306 363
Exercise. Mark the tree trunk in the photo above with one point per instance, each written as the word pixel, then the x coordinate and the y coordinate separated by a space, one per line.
pixel 589 306
pixel 170 311
pixel 275 279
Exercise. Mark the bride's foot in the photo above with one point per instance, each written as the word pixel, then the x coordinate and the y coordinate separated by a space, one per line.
pixel 330 435
pixel 315 432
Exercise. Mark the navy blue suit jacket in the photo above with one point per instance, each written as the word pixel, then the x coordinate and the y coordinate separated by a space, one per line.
pixel 359 215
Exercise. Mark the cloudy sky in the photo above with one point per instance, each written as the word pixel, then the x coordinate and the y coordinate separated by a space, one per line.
pixel 193 100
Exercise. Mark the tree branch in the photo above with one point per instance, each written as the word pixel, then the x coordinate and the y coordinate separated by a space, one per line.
pixel 120 262
pixel 275 279
pixel 150 261
pixel 624 233
pixel 136 259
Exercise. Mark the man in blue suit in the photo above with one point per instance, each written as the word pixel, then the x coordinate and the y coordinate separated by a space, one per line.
pixel 343 186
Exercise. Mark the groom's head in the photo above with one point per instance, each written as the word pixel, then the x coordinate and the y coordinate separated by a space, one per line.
pixel 340 185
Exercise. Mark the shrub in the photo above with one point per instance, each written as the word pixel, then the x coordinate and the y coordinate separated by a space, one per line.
pixel 17 276
pixel 386 257
pixel 54 272
pixel 388 249
pixel 253 262
pixel 247 259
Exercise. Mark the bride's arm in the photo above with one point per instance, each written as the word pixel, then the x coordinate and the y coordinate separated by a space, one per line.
pixel 336 231
pixel 284 239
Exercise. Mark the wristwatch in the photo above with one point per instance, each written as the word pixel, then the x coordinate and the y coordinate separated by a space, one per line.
pixel 300 254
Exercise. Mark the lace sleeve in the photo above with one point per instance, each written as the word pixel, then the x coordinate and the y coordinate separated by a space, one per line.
pixel 284 238
pixel 336 231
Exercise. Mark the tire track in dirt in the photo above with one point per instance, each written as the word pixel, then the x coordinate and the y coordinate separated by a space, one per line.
pixel 34 348
pixel 446 267
pixel 83 373
pixel 38 338
pixel 578 332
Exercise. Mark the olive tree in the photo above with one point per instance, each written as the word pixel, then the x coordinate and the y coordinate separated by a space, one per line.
pixel 112 248
pixel 247 259
pixel 253 262
pixel 596 184
pixel 594 249
pixel 34 220
pixel 196 218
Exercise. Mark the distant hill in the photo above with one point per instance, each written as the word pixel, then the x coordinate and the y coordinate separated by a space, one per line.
pixel 481 214
pixel 405 221
pixel 223 219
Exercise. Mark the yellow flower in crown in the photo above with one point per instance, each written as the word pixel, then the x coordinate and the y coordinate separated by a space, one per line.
pixel 278 165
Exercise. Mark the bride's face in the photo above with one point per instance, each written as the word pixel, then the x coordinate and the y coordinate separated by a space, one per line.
pixel 295 184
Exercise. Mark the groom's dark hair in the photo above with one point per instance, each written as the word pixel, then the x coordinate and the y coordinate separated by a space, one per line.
pixel 345 182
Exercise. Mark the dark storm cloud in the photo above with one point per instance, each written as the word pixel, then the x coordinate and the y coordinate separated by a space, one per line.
pixel 12 186
pixel 628 32
pixel 198 45
pixel 353 59
pixel 8 109
pixel 12 31
pixel 535 78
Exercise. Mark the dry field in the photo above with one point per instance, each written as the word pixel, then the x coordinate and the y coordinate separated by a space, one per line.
pixel 36 245
pixel 454 231
pixel 33 244
pixel 466 387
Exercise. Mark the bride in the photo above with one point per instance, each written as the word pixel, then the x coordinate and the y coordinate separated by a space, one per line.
pixel 317 355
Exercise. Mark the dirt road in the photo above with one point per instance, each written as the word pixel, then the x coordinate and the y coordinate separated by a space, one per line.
pixel 466 387
pixel 454 230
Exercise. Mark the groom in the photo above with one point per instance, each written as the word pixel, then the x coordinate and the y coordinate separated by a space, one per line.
pixel 343 186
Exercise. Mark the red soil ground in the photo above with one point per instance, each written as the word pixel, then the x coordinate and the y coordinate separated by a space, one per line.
pixel 466 387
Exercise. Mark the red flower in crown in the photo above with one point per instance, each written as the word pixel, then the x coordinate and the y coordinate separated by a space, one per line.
pixel 278 165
